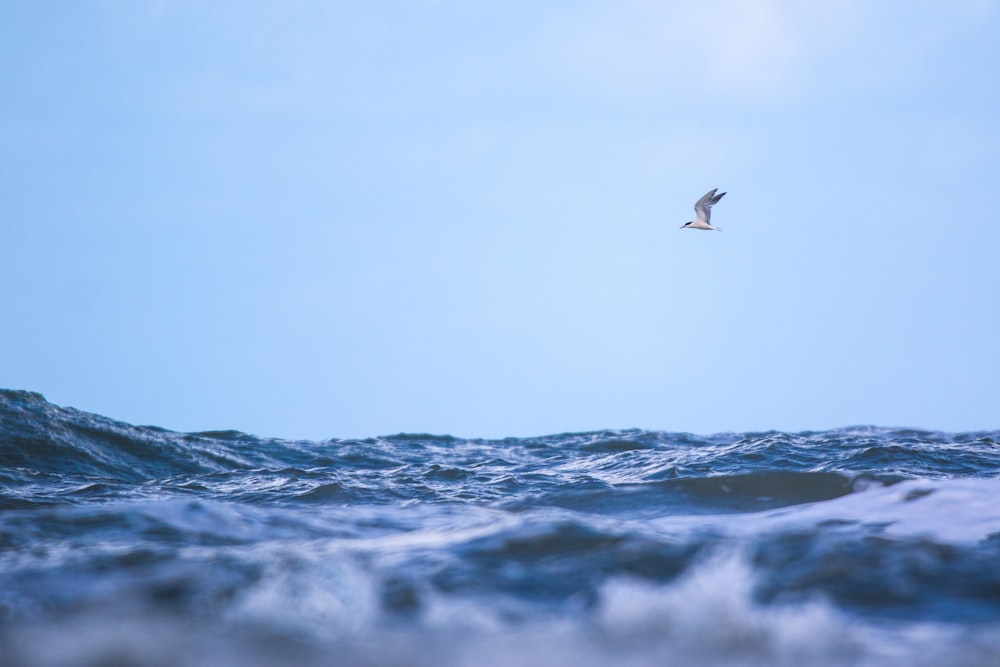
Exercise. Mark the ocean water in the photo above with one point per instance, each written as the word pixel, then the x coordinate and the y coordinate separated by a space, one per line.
pixel 128 545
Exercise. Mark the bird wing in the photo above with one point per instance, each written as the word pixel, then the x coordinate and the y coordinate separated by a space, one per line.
pixel 703 207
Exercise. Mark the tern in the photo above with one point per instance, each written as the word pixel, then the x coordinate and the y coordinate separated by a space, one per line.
pixel 703 207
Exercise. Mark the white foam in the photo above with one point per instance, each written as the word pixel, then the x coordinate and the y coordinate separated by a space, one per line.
pixel 708 617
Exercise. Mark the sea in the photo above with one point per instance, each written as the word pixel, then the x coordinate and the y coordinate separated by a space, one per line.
pixel 124 545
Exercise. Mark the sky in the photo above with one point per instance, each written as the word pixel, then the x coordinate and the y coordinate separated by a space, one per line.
pixel 322 219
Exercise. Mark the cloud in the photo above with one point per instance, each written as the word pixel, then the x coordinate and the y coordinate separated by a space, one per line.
pixel 746 50
pixel 646 49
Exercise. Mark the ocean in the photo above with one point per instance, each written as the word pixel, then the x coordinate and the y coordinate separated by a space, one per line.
pixel 135 545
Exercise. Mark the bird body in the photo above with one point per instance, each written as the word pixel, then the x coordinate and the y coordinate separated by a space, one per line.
pixel 703 208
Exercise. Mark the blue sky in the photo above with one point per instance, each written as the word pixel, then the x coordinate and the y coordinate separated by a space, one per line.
pixel 343 219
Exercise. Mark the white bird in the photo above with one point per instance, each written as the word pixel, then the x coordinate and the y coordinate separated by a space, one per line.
pixel 703 207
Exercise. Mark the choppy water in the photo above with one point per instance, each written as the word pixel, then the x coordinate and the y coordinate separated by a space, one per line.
pixel 126 545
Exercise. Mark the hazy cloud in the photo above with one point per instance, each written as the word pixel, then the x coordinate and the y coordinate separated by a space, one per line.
pixel 765 50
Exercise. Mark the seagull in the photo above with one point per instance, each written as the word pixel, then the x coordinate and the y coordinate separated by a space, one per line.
pixel 703 207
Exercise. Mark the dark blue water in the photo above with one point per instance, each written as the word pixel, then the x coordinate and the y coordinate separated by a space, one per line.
pixel 127 545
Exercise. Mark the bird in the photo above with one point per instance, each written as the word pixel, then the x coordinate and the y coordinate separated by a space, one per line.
pixel 703 207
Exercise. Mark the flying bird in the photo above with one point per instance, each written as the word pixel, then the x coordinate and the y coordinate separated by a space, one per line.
pixel 703 207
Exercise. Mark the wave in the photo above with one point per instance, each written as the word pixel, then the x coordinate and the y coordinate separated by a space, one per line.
pixel 48 439
pixel 318 610
pixel 122 544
